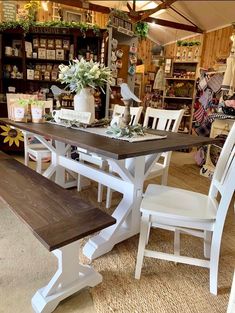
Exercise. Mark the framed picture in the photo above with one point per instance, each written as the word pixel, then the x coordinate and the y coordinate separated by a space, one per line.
pixel 168 64
pixel 148 88
pixel 50 54
pixel 151 76
pixel 58 43
pixel 59 54
pixel 42 53
pixel 72 16
pixel 50 43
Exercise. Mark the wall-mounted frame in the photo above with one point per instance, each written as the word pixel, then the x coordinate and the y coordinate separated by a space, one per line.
pixel 78 16
pixel 72 16
pixel 147 88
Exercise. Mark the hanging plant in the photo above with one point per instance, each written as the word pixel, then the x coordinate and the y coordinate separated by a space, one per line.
pixel 142 29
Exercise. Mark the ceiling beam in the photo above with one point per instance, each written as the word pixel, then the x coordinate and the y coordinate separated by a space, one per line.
pixel 183 16
pixel 175 25
pixel 85 5
pixel 164 5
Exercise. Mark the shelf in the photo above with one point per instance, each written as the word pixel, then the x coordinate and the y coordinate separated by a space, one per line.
pixel 182 98
pixel 12 57
pixel 192 62
pixel 43 81
pixel 46 60
pixel 13 79
pixel 176 78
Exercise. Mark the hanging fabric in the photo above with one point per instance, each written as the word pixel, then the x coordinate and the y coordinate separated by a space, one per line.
pixel 228 83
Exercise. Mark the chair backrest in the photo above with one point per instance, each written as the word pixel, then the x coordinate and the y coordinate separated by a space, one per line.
pixel 223 180
pixel 134 111
pixel 168 120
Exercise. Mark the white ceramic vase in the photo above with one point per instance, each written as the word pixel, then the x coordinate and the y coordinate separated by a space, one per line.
pixel 85 102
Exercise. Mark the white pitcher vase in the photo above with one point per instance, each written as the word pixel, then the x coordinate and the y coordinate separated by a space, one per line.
pixel 85 102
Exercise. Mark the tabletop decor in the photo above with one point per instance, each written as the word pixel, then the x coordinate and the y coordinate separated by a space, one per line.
pixel 82 76
pixel 129 131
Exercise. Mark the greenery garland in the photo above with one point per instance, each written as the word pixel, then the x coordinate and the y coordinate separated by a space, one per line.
pixel 142 29
pixel 26 24
pixel 185 43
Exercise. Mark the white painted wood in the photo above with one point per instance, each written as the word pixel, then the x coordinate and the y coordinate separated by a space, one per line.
pixel 69 278
pixel 193 213
pixel 168 120
pixel 134 111
pixel 96 160
pixel 231 304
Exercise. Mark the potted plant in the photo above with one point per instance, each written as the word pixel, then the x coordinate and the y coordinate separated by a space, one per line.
pixel 37 111
pixel 82 77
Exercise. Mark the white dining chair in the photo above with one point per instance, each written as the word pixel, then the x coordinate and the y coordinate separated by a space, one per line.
pixel 37 151
pixel 192 213
pixel 231 303
pixel 96 160
pixel 134 111
pixel 168 120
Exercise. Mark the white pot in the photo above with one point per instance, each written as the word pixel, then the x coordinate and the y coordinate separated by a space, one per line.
pixel 85 102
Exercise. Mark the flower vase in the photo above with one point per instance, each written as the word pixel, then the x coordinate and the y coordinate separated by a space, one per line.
pixel 85 102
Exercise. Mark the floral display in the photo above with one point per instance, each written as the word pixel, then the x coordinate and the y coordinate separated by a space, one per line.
pixel 81 74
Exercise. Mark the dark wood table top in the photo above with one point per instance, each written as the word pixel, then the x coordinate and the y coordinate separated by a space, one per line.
pixel 113 148
pixel 56 216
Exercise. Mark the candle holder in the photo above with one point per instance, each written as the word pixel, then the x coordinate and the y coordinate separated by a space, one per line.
pixel 126 115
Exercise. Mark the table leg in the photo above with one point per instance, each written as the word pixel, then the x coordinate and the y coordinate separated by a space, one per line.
pixel 70 277
pixel 127 212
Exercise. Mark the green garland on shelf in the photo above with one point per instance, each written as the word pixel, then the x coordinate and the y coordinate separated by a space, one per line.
pixel 185 43
pixel 26 24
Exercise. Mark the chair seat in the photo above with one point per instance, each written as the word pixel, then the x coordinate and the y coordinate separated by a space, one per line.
pixel 167 202
pixel 37 147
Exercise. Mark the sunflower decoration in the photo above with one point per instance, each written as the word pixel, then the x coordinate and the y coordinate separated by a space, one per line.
pixel 12 135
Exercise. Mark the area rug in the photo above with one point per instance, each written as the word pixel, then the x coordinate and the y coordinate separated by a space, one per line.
pixel 165 287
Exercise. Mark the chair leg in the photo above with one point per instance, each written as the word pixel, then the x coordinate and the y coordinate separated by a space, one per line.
pixel 26 158
pixel 207 244
pixel 109 198
pixel 214 258
pixel 148 234
pixel 165 176
pixel 144 227
pixel 177 242
pixel 39 164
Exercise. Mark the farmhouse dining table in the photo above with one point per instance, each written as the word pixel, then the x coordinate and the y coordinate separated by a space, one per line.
pixel 131 161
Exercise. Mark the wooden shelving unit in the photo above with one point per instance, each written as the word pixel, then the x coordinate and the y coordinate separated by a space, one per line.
pixel 43 38
pixel 179 91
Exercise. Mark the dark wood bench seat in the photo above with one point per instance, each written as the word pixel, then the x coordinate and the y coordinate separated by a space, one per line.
pixel 56 216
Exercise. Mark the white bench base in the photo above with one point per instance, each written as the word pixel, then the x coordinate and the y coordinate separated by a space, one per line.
pixel 70 277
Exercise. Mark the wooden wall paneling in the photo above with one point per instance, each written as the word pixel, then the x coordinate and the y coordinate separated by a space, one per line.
pixel 217 44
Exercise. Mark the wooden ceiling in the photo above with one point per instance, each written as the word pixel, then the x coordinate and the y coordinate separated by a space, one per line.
pixel 139 15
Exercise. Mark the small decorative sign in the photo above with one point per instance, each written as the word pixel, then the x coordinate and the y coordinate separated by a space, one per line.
pixel 9 10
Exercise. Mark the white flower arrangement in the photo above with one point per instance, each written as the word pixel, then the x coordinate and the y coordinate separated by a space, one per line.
pixel 82 74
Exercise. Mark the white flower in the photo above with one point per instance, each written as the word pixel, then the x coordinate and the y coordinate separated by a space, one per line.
pixel 80 74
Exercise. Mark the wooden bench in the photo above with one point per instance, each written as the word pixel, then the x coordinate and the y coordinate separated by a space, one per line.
pixel 58 218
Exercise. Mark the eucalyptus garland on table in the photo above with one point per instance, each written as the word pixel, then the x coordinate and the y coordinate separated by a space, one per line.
pixel 130 131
